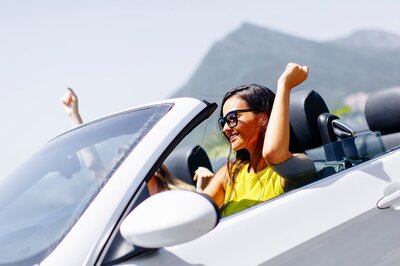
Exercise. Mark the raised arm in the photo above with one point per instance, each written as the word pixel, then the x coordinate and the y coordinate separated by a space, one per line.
pixel 89 155
pixel 276 141
pixel 70 102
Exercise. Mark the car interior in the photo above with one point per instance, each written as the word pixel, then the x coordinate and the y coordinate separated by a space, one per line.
pixel 192 156
pixel 333 145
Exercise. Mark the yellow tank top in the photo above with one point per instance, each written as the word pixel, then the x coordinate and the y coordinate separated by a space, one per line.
pixel 250 189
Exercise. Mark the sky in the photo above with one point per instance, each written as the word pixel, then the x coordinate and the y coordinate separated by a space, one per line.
pixel 118 54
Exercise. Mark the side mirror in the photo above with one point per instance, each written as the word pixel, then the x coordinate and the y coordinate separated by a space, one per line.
pixel 170 218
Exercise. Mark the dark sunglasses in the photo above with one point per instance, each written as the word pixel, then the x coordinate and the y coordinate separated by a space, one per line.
pixel 231 118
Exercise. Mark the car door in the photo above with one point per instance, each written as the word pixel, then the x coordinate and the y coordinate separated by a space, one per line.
pixel 334 221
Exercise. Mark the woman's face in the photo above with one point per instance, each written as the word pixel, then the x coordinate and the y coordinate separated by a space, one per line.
pixel 246 133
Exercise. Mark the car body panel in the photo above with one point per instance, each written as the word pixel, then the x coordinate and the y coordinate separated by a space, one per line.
pixel 274 232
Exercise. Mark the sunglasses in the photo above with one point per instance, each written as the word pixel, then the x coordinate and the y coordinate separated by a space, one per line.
pixel 231 118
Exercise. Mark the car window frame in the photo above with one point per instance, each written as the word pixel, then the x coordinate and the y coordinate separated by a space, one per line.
pixel 135 199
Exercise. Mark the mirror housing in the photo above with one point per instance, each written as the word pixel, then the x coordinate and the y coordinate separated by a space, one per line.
pixel 170 218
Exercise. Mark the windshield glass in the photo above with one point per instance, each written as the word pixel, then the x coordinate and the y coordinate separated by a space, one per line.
pixel 41 200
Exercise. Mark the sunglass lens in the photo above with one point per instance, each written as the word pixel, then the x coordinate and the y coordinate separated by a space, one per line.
pixel 231 119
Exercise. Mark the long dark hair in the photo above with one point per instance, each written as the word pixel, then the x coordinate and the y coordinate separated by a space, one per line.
pixel 166 181
pixel 260 99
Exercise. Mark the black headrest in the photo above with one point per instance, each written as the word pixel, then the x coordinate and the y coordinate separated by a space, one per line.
pixel 382 111
pixel 184 161
pixel 305 107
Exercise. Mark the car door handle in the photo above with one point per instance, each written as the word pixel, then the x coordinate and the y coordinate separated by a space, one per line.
pixel 391 197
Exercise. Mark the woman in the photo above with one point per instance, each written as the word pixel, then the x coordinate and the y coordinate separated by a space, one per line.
pixel 256 123
pixel 162 180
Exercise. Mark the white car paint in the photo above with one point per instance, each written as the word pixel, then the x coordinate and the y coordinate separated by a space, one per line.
pixel 259 235
pixel 168 218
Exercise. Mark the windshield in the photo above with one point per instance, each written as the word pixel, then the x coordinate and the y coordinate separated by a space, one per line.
pixel 41 200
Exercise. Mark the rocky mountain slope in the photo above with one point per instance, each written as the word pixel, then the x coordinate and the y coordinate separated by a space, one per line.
pixel 365 61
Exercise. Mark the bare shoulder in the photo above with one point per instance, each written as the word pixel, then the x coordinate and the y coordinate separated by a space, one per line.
pixel 222 175
pixel 216 187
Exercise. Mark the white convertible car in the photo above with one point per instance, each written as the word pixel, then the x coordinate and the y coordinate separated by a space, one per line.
pixel 54 211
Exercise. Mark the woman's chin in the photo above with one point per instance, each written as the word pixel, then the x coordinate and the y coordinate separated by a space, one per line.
pixel 235 146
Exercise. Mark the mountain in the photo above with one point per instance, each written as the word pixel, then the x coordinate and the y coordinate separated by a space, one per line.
pixel 370 40
pixel 364 61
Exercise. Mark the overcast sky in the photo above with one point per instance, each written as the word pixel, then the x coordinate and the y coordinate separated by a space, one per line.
pixel 121 53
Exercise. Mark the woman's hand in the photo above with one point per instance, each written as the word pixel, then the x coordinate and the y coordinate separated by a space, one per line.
pixel 202 176
pixel 293 75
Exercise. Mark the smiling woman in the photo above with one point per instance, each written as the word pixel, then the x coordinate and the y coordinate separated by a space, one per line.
pixel 256 123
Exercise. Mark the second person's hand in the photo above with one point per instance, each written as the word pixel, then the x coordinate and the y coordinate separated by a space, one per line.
pixel 70 103
pixel 203 176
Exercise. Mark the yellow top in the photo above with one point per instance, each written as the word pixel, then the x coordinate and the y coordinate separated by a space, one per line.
pixel 250 189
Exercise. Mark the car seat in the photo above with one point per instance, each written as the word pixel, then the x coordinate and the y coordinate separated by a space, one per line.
pixel 184 161
pixel 305 108
pixel 314 126
pixel 382 112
